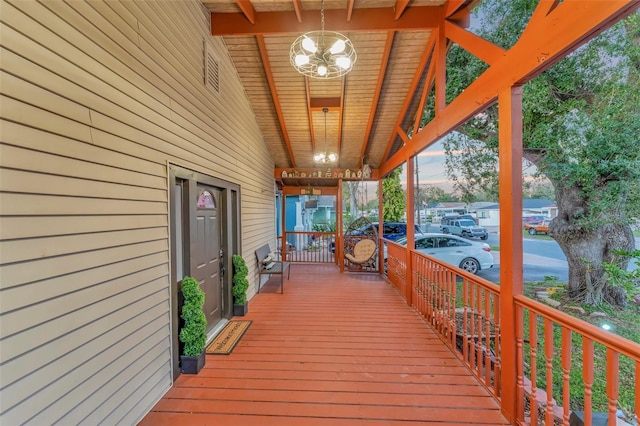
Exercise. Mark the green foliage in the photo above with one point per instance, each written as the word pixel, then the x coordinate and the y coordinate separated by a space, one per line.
pixel 581 118
pixel 393 197
pixel 618 277
pixel 193 333
pixel 240 282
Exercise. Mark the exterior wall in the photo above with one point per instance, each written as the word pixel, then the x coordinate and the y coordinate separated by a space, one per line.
pixel 97 99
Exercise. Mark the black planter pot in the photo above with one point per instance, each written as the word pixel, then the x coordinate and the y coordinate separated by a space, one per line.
pixel 240 310
pixel 192 364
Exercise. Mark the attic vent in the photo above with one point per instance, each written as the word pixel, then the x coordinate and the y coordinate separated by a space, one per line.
pixel 212 70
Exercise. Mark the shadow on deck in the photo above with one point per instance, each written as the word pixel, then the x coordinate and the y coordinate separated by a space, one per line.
pixel 335 349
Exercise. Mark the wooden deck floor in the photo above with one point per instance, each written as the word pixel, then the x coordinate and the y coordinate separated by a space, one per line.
pixel 335 349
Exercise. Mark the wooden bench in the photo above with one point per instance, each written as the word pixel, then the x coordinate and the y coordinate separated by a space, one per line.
pixel 270 267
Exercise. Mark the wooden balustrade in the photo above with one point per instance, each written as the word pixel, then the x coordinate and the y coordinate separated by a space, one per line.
pixel 554 350
pixel 307 247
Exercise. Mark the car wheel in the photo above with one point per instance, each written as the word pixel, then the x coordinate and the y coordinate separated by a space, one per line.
pixel 445 231
pixel 469 264
pixel 484 237
pixel 532 231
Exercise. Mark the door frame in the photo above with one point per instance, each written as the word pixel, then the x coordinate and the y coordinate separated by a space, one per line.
pixel 230 240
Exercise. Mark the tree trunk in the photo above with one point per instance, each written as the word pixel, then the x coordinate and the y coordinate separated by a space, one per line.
pixel 586 248
pixel 353 193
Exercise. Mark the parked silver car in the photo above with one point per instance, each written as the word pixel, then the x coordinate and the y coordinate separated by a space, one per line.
pixel 470 256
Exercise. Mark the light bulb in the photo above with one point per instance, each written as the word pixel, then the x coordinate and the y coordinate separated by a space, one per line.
pixel 322 69
pixel 333 157
pixel 309 45
pixel 302 60
pixel 337 47
pixel 319 157
pixel 343 62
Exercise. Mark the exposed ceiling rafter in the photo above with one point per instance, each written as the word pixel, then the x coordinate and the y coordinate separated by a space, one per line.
pixel 247 9
pixel 424 59
pixel 274 94
pixel 477 46
pixel 374 105
pixel 400 6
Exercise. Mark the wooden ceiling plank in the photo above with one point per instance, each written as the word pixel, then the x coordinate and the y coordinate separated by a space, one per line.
pixel 274 94
pixel 477 46
pixel 247 9
pixel 567 27
pixel 400 6
pixel 286 22
pixel 414 84
pixel 378 91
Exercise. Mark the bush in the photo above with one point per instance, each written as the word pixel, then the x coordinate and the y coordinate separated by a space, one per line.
pixel 240 282
pixel 194 330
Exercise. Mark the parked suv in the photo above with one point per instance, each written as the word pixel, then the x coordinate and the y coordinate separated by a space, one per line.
pixel 392 231
pixel 464 227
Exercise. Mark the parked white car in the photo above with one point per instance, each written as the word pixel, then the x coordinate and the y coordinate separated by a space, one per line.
pixel 470 256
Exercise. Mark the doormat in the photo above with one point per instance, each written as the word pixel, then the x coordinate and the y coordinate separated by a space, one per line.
pixel 228 338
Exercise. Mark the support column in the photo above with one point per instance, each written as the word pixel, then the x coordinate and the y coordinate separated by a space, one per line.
pixel 410 226
pixel 380 220
pixel 338 252
pixel 511 268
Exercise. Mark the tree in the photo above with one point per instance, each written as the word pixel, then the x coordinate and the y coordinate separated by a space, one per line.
pixel 581 125
pixel 393 197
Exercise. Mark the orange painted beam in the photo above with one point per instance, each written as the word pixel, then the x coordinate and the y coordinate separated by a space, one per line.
pixel 374 104
pixel 366 19
pixel 410 93
pixel 319 103
pixel 511 269
pixel 428 84
pixel 297 7
pixel 310 110
pixel 341 117
pixel 568 26
pixel 400 6
pixel 453 6
pixel 274 94
pixel 540 13
pixel 440 55
pixel 247 9
pixel 477 46
pixel 350 9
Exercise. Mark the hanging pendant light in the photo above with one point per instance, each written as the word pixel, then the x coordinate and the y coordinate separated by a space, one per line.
pixel 322 54
pixel 325 156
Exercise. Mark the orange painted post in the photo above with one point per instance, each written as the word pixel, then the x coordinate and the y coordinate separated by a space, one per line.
pixel 566 368
pixel 587 376
pixel 511 279
pixel 338 237
pixel 520 367
pixel 548 358
pixel 380 220
pixel 533 344
pixel 613 383
pixel 410 225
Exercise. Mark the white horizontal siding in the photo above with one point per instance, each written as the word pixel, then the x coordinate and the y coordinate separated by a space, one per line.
pixel 96 98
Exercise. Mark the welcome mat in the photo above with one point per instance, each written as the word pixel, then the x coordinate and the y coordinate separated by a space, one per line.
pixel 228 338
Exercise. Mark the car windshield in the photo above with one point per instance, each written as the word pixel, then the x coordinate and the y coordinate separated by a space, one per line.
pixel 467 223
pixel 402 241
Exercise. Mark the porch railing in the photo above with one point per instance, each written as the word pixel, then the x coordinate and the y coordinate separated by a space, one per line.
pixel 563 364
pixel 307 247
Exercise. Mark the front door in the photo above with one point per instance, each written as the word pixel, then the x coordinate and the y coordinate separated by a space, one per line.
pixel 206 253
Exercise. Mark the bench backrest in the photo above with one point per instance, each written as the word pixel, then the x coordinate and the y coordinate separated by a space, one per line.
pixel 262 252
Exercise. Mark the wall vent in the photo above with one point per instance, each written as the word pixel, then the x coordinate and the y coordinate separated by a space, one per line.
pixel 212 69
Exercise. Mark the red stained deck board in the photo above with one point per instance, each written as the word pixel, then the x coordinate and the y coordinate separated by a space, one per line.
pixel 335 349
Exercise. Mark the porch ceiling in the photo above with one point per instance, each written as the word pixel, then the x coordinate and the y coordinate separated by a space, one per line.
pixel 370 108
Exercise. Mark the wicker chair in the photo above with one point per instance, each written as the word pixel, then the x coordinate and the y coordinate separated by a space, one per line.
pixel 364 255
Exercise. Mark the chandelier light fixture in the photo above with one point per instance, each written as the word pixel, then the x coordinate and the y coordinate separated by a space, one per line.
pixel 322 54
pixel 325 156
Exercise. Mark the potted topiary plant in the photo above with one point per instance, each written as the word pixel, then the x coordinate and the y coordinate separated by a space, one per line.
pixel 194 331
pixel 240 286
